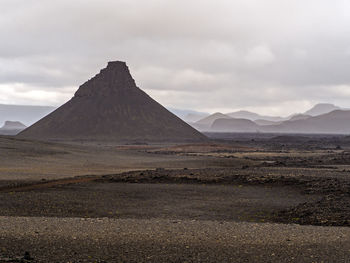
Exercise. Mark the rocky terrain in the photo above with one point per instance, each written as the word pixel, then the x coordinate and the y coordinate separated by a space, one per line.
pixel 262 199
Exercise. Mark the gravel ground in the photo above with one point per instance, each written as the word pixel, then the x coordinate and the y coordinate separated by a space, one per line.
pixel 332 209
pixel 145 201
pixel 164 240
pixel 160 222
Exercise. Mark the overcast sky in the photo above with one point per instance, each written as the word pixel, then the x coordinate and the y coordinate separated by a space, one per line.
pixel 273 56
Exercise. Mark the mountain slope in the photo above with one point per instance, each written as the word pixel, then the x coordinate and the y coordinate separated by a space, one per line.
pixel 234 125
pixel 210 119
pixel 194 117
pixel 266 122
pixel 188 115
pixel 252 116
pixel 297 117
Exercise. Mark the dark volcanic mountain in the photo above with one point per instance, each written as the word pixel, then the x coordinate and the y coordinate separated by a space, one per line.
pixel 111 107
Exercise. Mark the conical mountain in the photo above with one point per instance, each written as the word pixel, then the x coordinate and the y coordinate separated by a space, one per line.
pixel 111 107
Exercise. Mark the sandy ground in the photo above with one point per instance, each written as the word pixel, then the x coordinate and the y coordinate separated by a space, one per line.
pixel 35 160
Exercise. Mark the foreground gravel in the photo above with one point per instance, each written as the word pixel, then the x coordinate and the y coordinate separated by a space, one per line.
pixel 165 240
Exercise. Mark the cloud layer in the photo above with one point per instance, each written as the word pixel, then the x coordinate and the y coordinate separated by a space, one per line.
pixel 273 56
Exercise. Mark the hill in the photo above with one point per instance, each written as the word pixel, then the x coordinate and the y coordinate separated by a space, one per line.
pixel 12 128
pixel 234 125
pixel 335 122
pixel 321 108
pixel 253 116
pixel 205 124
pixel 210 119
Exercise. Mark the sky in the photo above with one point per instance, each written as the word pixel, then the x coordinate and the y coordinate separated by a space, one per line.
pixel 273 57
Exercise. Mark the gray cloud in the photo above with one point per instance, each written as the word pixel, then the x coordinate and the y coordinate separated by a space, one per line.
pixel 273 56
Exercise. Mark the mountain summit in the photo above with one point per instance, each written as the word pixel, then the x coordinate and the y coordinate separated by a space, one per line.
pixel 111 107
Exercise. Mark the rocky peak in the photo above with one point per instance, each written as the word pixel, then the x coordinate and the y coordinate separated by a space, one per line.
pixel 117 65
pixel 113 79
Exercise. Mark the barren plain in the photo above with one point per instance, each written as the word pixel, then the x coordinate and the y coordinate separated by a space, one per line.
pixel 251 198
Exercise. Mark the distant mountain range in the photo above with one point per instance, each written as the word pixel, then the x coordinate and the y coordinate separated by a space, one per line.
pixel 334 122
pixel 322 118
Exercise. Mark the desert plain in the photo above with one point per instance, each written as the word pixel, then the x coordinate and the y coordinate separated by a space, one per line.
pixel 233 198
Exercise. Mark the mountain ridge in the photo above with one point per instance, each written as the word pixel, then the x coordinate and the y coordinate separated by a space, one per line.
pixel 335 122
